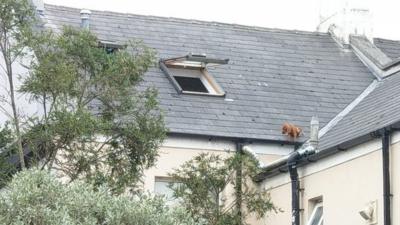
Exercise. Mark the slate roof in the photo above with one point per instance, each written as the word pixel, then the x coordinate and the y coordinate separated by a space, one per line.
pixel 273 76
pixel 377 110
pixel 390 47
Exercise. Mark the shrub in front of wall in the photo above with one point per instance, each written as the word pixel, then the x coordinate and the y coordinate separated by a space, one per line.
pixel 36 197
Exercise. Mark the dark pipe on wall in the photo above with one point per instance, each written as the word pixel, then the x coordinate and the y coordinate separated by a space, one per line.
pixel 238 189
pixel 294 178
pixel 386 177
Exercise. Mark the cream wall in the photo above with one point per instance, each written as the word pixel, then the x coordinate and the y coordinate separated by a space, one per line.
pixel 395 178
pixel 346 182
pixel 24 105
pixel 177 150
pixel 169 159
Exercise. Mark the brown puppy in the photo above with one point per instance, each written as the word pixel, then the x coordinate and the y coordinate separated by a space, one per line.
pixel 291 130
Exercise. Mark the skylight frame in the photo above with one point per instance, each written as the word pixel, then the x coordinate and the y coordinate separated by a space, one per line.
pixel 194 62
pixel 111 44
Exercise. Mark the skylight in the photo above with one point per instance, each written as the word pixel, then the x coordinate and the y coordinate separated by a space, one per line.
pixel 189 74
pixel 193 84
pixel 111 46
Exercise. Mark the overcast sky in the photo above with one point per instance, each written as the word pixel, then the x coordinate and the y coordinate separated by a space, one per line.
pixel 285 14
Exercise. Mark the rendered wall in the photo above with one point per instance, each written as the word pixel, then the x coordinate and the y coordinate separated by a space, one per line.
pixel 176 151
pixel 346 182
pixel 24 105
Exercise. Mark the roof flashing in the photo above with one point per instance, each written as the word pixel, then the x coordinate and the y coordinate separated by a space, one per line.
pixel 195 60
pixel 377 61
pixel 111 46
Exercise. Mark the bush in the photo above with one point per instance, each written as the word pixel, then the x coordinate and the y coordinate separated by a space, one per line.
pixel 35 197
pixel 7 151
pixel 206 181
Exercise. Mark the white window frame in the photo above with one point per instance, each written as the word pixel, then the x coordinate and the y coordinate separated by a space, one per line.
pixel 204 80
pixel 213 88
pixel 312 217
pixel 170 200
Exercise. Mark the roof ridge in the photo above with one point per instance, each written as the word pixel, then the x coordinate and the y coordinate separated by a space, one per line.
pixel 332 123
pixel 193 21
pixel 386 39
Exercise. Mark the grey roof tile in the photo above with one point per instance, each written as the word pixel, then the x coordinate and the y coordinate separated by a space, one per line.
pixel 377 110
pixel 273 75
pixel 390 47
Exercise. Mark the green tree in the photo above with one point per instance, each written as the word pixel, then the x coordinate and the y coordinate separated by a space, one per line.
pixel 99 124
pixel 7 150
pixel 16 22
pixel 207 187
pixel 35 197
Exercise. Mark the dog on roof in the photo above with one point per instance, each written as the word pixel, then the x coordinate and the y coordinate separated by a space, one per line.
pixel 291 130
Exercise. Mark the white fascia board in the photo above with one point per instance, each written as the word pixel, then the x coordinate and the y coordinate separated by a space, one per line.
pixel 201 143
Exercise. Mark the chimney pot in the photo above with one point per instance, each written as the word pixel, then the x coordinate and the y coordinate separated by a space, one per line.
pixel 39 6
pixel 343 19
pixel 314 130
pixel 85 18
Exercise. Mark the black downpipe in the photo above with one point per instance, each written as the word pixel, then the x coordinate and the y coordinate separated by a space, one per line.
pixel 386 177
pixel 238 188
pixel 294 178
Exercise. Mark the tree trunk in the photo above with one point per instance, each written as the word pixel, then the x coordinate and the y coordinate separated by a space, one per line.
pixel 15 112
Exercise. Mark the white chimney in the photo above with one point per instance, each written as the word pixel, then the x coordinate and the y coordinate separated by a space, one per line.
pixel 39 5
pixel 85 18
pixel 345 18
pixel 314 130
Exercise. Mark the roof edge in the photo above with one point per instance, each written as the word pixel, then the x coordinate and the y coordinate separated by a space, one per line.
pixel 234 138
pixel 373 58
pixel 348 109
pixel 344 146
pixel 195 21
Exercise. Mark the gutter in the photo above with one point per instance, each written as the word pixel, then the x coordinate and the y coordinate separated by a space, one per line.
pixel 235 138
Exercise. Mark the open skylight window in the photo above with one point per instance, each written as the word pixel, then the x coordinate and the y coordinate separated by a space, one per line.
pixel 189 74
pixel 111 46
pixel 194 84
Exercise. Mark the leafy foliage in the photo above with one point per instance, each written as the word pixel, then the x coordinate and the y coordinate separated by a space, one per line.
pixel 98 124
pixel 205 181
pixel 17 18
pixel 35 197
pixel 7 150
pixel 6 138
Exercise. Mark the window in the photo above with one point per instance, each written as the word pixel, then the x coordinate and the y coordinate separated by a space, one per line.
pixel 110 46
pixel 161 187
pixel 317 216
pixel 192 81
pixel 189 74
pixel 193 84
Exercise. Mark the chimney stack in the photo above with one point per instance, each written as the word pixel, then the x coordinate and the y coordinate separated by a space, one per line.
pixel 39 6
pixel 346 18
pixel 85 18
pixel 314 130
